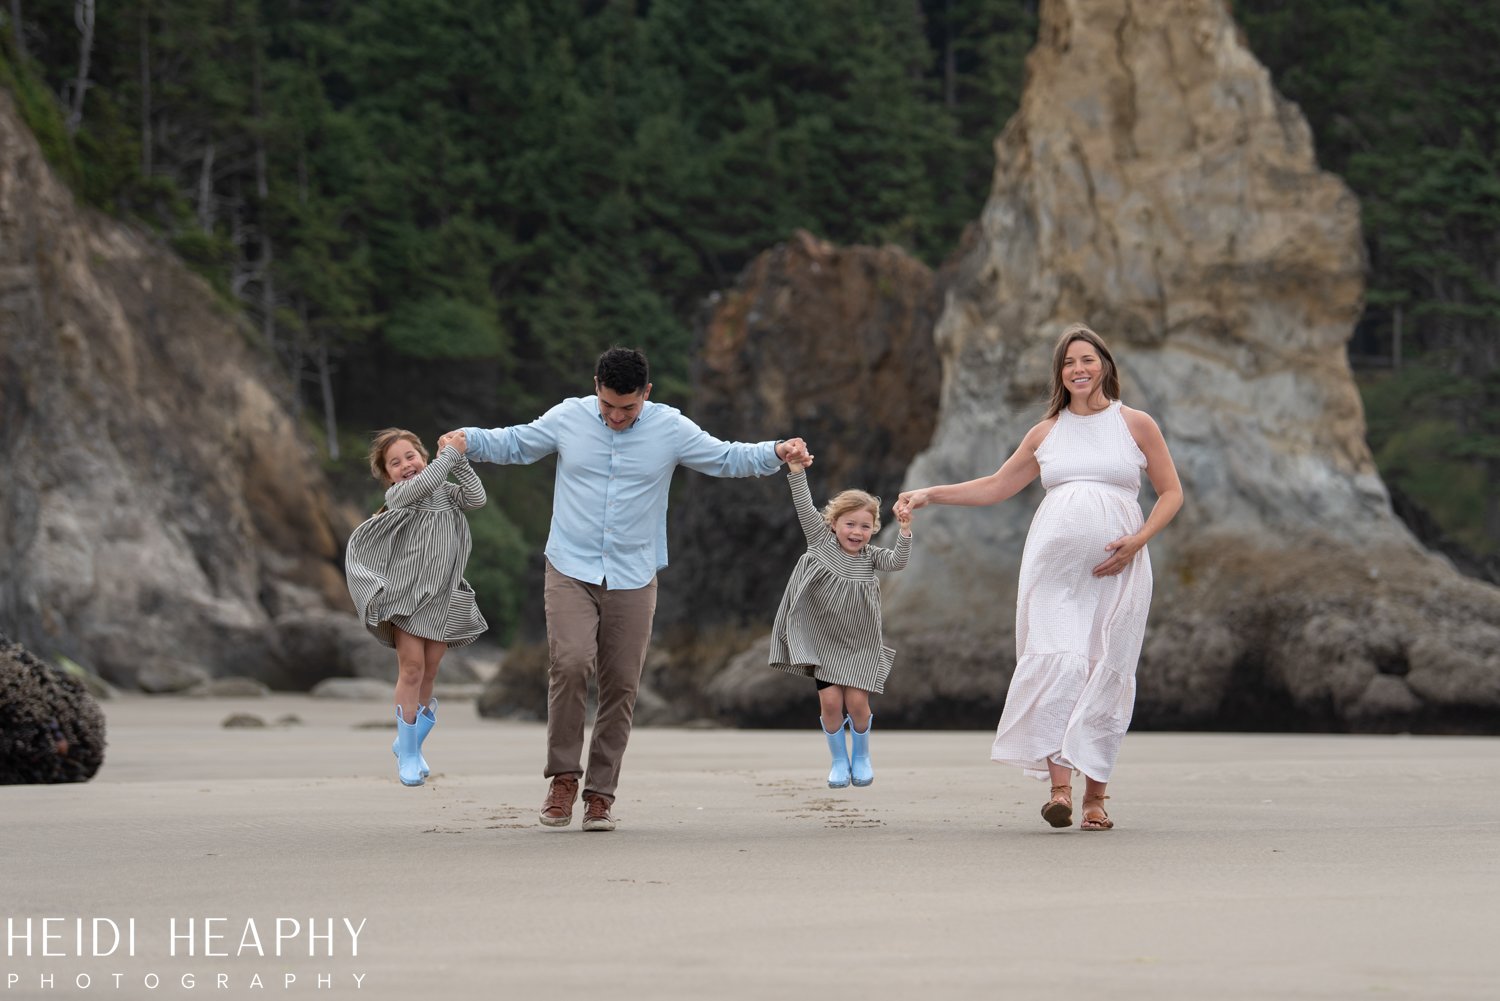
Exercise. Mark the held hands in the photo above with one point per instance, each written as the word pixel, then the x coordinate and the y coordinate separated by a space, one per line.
pixel 909 501
pixel 794 453
pixel 903 517
pixel 1122 551
pixel 456 439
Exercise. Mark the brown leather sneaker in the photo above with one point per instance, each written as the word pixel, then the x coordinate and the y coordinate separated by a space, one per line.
pixel 557 809
pixel 596 813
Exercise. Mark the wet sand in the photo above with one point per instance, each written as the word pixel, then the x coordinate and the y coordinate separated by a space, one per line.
pixel 1243 866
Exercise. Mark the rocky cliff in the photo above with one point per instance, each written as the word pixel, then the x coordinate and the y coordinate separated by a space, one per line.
pixel 1154 185
pixel 162 518
pixel 832 344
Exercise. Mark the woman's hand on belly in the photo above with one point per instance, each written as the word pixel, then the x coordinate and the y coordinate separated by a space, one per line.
pixel 1121 551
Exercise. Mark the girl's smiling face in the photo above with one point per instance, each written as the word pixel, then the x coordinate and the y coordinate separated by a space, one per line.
pixel 402 460
pixel 854 529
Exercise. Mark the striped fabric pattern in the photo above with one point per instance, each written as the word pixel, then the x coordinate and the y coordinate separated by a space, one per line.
pixel 405 565
pixel 828 625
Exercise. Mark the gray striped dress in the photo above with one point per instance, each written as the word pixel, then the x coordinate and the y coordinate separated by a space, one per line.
pixel 405 565
pixel 828 625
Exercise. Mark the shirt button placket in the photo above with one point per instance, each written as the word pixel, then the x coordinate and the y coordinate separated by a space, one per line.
pixel 609 497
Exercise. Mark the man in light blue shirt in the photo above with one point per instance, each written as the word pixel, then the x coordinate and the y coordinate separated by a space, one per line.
pixel 616 453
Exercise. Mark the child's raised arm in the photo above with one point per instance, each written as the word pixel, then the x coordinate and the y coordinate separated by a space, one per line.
pixel 892 559
pixel 471 493
pixel 813 525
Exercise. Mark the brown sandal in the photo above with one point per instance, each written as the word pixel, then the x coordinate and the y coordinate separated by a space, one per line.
pixel 1059 812
pixel 1099 823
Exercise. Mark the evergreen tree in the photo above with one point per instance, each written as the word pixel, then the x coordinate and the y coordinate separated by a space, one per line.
pixel 448 207
pixel 1401 98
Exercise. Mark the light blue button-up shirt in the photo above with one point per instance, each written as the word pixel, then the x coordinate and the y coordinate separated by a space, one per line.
pixel 609 501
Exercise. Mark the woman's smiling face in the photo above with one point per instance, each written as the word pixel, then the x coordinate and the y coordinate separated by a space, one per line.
pixel 1082 370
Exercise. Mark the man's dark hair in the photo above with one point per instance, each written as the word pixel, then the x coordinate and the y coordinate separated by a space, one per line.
pixel 622 370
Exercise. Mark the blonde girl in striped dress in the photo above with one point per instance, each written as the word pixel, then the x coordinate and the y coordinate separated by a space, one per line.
pixel 405 568
pixel 828 625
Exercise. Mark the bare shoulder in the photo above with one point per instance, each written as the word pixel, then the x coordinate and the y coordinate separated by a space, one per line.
pixel 1137 420
pixel 1039 432
pixel 1142 427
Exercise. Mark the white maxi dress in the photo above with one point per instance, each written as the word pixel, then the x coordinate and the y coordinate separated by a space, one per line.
pixel 1078 636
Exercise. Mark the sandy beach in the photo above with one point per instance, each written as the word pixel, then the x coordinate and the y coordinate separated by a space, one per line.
pixel 1243 866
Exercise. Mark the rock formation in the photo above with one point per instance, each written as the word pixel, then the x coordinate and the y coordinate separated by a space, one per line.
pixel 161 512
pixel 1154 185
pixel 51 729
pixel 830 344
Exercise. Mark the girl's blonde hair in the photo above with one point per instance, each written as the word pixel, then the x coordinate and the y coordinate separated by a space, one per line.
pixel 1110 376
pixel 851 500
pixel 384 440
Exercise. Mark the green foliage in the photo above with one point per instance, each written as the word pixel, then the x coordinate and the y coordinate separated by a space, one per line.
pixel 109 152
pixel 1402 98
pixel 445 328
pixel 497 569
pixel 207 252
pixel 390 187
pixel 40 111
pixel 350 472
pixel 525 182
pixel 1432 457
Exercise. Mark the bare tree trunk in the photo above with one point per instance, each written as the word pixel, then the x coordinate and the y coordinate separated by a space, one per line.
pixel 263 193
pixel 15 27
pixel 1396 339
pixel 262 181
pixel 146 163
pixel 296 350
pixel 206 190
pixel 83 16
pixel 950 61
pixel 242 273
pixel 267 293
pixel 325 383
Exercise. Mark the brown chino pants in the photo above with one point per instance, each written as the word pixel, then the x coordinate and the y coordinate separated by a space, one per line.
pixel 593 628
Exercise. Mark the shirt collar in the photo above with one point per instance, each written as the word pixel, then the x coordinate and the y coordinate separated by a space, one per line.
pixel 600 417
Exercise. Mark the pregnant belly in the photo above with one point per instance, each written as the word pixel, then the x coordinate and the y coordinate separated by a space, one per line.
pixel 1077 520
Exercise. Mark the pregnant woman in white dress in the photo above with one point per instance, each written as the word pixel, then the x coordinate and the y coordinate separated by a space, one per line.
pixel 1085 587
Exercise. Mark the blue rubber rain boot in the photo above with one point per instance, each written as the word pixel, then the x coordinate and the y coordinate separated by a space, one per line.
pixel 426 720
pixel 838 775
pixel 408 751
pixel 861 771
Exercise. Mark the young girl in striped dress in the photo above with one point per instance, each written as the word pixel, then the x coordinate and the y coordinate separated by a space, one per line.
pixel 828 625
pixel 405 567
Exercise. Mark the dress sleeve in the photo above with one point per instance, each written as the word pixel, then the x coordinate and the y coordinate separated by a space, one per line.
pixel 892 559
pixel 471 493
pixel 412 491
pixel 813 525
